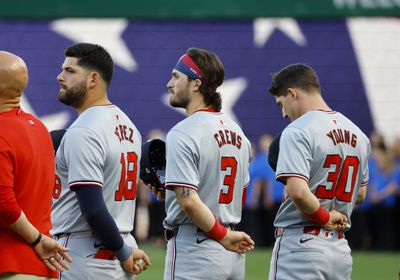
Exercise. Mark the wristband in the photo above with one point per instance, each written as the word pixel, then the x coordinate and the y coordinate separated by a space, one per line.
pixel 320 217
pixel 217 232
pixel 37 240
pixel 124 253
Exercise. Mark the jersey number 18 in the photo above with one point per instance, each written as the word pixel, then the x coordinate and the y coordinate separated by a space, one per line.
pixel 127 184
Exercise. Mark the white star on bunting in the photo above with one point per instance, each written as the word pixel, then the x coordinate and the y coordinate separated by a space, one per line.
pixel 264 27
pixel 105 32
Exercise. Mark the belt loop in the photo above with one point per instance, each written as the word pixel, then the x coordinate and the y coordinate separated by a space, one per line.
pixel 170 233
pixel 61 235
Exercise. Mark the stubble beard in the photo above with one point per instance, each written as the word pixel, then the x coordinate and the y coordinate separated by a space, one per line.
pixel 74 97
pixel 180 99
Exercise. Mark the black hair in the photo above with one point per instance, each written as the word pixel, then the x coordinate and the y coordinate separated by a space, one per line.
pixel 94 57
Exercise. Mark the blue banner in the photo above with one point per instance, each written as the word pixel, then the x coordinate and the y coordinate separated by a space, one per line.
pixel 146 51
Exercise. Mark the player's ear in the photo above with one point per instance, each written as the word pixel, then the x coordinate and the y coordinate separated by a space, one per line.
pixel 94 78
pixel 196 84
pixel 292 92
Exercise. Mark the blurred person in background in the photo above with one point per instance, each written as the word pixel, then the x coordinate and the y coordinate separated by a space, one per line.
pixel 273 196
pixel 266 215
pixel 360 236
pixel 251 220
pixel 383 188
pixel 259 213
pixel 396 154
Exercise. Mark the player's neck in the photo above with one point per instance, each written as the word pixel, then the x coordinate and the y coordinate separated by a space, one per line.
pixel 315 103
pixel 94 101
pixel 194 106
pixel 7 104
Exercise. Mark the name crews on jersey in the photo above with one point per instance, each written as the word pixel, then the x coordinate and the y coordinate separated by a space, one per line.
pixel 208 157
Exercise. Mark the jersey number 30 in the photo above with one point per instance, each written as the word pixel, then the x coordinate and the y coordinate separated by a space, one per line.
pixel 341 188
pixel 127 183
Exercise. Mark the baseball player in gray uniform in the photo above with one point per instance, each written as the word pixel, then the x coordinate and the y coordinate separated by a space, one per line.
pixel 97 173
pixel 323 162
pixel 208 157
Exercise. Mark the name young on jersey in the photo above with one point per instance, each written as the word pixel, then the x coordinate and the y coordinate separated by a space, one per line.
pixel 342 136
pixel 228 137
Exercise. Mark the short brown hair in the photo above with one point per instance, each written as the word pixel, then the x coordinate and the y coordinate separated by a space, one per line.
pixel 294 76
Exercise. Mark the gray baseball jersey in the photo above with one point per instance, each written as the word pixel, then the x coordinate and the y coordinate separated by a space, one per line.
pixel 328 151
pixel 209 153
pixel 101 148
pixel 331 153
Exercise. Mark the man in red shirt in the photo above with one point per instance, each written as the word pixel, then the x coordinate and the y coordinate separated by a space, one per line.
pixel 27 250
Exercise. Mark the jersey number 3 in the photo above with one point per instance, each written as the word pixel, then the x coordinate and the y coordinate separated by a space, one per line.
pixel 127 184
pixel 229 179
pixel 341 188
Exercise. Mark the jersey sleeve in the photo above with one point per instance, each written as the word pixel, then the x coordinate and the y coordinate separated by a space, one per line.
pixel 85 156
pixel 182 155
pixel 295 156
pixel 250 158
pixel 365 167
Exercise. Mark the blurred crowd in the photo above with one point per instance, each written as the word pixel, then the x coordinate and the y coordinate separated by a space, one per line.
pixel 375 223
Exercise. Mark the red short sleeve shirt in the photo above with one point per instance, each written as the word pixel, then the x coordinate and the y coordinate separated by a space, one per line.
pixel 27 179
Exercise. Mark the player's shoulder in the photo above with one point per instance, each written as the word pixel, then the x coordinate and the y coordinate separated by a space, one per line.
pixel 191 123
pixel 95 113
pixel 354 127
pixel 203 121
pixel 307 126
pixel 310 118
pixel 21 124
pixel 100 117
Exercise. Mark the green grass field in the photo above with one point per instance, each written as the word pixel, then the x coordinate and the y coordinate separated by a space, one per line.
pixel 367 265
